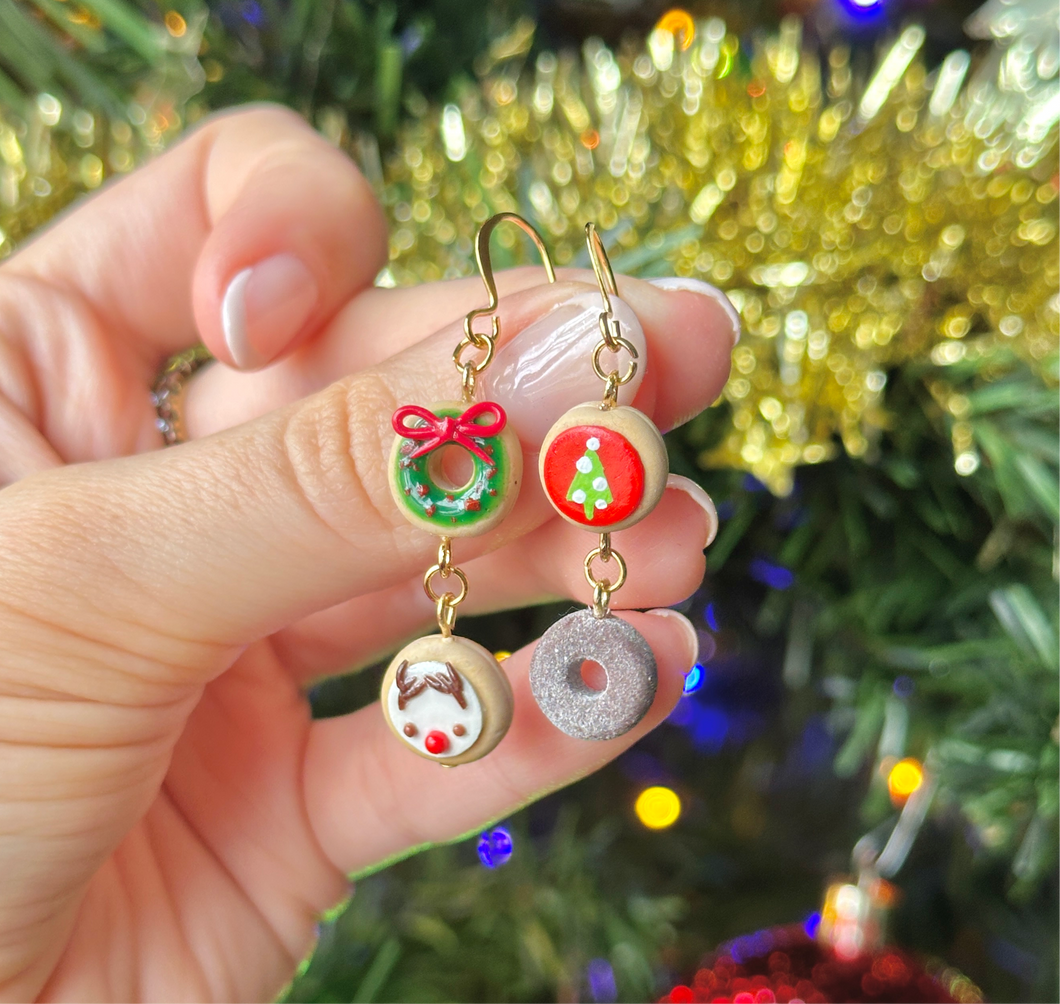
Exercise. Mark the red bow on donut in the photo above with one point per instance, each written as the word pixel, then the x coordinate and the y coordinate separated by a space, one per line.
pixel 438 430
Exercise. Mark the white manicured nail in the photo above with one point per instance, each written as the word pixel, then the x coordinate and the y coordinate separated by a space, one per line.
pixel 265 307
pixel 691 636
pixel 690 285
pixel 682 484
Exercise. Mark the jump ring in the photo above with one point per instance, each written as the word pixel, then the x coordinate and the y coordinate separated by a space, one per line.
pixel 623 343
pixel 445 573
pixel 479 364
pixel 597 552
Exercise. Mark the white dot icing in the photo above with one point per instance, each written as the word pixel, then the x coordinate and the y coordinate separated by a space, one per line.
pixel 578 496
pixel 592 443
pixel 600 483
pixel 584 465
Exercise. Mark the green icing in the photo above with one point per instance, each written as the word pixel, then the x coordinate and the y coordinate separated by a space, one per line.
pixel 453 508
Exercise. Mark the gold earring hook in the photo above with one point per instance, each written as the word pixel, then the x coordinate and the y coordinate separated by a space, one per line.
pixel 605 277
pixel 483 342
pixel 611 337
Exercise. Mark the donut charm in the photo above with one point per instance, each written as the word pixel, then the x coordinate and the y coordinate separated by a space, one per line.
pixel 603 468
pixel 447 699
pixel 567 701
pixel 418 483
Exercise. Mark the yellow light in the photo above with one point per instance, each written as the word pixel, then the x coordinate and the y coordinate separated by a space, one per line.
pixel 175 24
pixel 905 777
pixel 680 24
pixel 501 655
pixel 657 807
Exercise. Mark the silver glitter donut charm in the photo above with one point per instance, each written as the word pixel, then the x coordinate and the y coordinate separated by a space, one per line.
pixel 567 701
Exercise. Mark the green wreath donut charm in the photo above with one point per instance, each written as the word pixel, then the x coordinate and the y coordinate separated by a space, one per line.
pixel 417 481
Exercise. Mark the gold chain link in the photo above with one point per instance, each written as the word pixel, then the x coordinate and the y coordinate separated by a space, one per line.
pixel 603 588
pixel 445 604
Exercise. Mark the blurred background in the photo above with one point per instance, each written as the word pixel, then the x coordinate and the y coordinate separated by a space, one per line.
pixel 874 184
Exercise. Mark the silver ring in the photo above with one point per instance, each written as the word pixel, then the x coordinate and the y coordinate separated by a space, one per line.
pixel 167 394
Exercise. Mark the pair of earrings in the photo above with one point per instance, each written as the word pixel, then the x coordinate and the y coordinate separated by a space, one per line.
pixel 603 467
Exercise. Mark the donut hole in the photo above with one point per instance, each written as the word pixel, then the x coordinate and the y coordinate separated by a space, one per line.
pixel 451 468
pixel 593 675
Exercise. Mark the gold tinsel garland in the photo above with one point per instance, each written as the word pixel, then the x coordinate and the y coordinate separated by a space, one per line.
pixel 856 224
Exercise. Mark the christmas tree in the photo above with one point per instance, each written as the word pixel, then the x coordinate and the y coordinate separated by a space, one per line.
pixel 589 486
pixel 876 190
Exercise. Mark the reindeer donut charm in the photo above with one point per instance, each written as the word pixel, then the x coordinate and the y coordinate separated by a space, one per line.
pixel 447 699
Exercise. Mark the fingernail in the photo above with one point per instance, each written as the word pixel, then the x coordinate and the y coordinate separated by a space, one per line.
pixel 547 367
pixel 264 307
pixel 701 499
pixel 690 285
pixel 691 637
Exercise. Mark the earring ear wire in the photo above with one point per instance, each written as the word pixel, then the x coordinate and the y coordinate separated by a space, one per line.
pixel 611 337
pixel 605 277
pixel 487 343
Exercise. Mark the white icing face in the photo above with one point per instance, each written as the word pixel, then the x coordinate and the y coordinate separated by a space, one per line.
pixel 432 720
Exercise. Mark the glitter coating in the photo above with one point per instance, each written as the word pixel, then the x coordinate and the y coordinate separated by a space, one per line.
pixel 572 706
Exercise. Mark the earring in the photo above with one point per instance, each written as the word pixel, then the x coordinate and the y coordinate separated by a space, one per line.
pixel 445 697
pixel 603 466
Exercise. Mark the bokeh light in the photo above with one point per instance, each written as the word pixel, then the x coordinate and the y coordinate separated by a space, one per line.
pixel 680 24
pixel 495 847
pixel 904 778
pixel 658 807
pixel 175 24
pixel 694 679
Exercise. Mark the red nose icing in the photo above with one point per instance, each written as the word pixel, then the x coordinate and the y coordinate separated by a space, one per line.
pixel 436 742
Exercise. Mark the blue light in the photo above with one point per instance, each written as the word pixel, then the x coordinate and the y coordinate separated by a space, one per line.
pixel 725 509
pixel 770 574
pixel 602 984
pixel 252 13
pixel 710 615
pixel 709 728
pixel 495 847
pixel 811 923
pixel 903 686
pixel 694 679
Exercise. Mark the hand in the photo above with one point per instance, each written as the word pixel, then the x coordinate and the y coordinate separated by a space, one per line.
pixel 173 820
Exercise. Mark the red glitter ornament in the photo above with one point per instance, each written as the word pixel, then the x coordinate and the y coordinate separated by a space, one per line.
pixel 785 965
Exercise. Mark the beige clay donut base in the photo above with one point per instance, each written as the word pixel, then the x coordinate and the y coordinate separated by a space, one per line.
pixel 466 511
pixel 642 435
pixel 482 672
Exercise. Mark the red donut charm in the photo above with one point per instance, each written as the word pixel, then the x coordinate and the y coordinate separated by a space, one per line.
pixel 603 468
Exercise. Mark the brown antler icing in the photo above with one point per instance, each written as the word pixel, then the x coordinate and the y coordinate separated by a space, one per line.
pixel 451 683
pixel 407 689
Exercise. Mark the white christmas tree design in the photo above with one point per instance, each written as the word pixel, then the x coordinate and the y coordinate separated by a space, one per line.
pixel 589 487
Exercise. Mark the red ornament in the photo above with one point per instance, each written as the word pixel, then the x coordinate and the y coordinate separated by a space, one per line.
pixel 590 469
pixel 473 505
pixel 785 965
